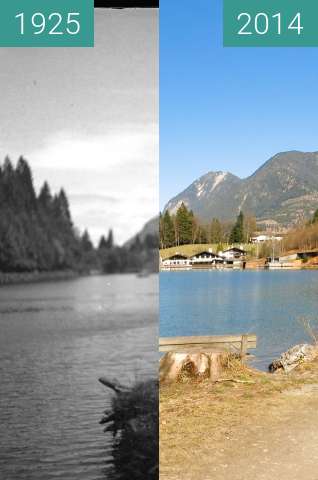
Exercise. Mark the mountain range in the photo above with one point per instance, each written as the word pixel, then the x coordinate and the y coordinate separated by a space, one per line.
pixel 284 190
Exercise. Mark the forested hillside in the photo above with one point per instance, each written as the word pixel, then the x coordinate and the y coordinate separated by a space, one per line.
pixel 284 189
pixel 37 232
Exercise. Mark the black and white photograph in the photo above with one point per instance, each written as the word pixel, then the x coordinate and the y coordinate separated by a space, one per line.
pixel 79 255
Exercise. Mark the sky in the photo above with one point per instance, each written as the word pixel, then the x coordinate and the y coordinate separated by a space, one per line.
pixel 227 109
pixel 86 119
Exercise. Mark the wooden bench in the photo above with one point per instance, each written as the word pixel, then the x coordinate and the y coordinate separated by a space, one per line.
pixel 215 343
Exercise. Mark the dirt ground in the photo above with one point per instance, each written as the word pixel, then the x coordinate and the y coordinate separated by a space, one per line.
pixel 265 428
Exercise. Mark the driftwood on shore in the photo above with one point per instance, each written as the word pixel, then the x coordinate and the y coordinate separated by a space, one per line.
pixel 133 420
pixel 174 366
pixel 294 357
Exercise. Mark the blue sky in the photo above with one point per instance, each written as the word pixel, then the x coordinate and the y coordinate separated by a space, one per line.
pixel 227 108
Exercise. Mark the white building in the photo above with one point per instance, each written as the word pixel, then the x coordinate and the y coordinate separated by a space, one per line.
pixel 266 238
pixel 233 253
pixel 176 261
pixel 207 257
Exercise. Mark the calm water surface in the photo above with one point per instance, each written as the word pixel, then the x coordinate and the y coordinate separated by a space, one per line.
pixel 56 339
pixel 268 303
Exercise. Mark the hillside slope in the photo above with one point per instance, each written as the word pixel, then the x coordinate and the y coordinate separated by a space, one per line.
pixel 284 189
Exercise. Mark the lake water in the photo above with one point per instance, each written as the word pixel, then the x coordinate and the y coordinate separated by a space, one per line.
pixel 268 303
pixel 56 339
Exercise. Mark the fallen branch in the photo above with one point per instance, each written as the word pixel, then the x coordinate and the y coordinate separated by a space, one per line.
pixel 234 380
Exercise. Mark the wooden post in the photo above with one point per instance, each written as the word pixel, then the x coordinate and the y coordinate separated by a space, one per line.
pixel 244 344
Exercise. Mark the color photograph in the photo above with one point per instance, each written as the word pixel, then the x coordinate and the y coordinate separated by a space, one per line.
pixel 238 253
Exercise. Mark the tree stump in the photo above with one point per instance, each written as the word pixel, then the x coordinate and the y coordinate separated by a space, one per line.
pixel 175 366
pixel 133 421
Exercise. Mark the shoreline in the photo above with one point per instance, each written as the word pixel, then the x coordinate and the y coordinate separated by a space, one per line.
pixel 207 257
pixel 247 268
pixel 14 278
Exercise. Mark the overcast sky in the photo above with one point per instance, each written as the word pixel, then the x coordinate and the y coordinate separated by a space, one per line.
pixel 86 119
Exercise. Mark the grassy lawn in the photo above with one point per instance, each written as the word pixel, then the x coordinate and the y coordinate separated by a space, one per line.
pixel 190 250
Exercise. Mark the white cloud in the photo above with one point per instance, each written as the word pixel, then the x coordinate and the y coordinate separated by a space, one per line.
pixel 111 179
pixel 123 146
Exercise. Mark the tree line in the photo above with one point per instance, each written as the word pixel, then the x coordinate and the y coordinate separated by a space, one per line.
pixel 303 237
pixel 37 232
pixel 183 228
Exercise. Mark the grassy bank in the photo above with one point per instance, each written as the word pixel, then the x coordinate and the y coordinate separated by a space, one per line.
pixel 207 418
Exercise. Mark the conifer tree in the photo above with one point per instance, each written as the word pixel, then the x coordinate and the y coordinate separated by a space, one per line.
pixel 86 242
pixel 102 243
pixel 24 183
pixel 110 239
pixel 45 198
pixel 215 231
pixel 8 182
pixel 167 230
pixel 63 207
pixel 237 233
pixel 8 170
pixel 184 225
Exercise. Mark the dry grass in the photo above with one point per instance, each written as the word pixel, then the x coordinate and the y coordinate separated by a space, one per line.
pixel 196 416
pixel 303 238
pixel 187 250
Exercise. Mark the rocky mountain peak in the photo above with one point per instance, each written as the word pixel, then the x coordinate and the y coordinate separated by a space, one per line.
pixel 285 188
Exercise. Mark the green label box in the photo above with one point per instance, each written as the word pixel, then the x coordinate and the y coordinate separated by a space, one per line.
pixel 47 23
pixel 270 23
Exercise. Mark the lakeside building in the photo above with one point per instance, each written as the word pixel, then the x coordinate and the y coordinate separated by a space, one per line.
pixel 266 238
pixel 206 257
pixel 233 257
pixel 176 261
pixel 233 253
pixel 293 260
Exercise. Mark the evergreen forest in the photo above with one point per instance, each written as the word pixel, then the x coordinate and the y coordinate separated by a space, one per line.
pixel 37 233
